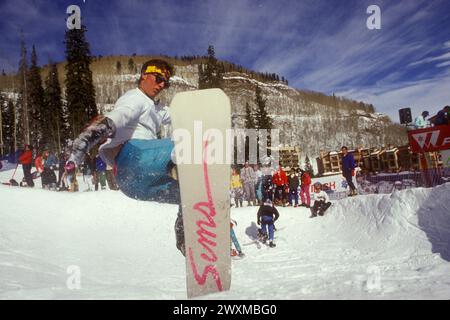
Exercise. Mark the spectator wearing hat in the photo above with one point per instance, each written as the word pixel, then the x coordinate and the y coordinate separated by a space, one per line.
pixel 420 121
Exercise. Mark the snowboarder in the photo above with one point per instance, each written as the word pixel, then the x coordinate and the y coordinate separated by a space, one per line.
pixel 130 131
pixel 321 201
pixel 266 217
pixel 348 169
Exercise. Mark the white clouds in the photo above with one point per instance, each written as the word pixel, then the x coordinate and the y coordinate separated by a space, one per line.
pixel 429 94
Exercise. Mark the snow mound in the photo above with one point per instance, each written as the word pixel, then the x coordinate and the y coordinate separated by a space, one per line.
pixel 365 247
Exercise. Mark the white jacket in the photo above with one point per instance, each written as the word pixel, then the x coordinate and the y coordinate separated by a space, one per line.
pixel 135 116
pixel 320 196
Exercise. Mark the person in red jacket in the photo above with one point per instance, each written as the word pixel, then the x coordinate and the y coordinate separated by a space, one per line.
pixel 305 188
pixel 280 181
pixel 26 160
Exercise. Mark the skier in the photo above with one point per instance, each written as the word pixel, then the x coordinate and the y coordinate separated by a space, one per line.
pixel 236 188
pixel 304 189
pixel 293 182
pixel 26 159
pixel 348 169
pixel 234 240
pixel 266 217
pixel 321 201
pixel 129 132
pixel 249 179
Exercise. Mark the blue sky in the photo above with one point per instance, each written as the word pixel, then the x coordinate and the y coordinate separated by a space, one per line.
pixel 317 45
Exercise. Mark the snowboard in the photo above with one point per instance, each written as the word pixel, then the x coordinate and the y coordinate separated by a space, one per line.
pixel 200 120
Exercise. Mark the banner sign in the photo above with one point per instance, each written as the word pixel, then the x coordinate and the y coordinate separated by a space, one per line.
pixel 430 139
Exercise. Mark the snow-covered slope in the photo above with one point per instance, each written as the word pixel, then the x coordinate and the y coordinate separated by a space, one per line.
pixel 369 247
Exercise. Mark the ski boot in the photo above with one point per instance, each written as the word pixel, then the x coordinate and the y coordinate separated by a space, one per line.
pixel 272 245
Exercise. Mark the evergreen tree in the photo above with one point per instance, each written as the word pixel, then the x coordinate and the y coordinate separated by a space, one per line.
pixel 6 125
pixel 36 102
pixel 131 65
pixel 249 121
pixel 21 130
pixel 119 67
pixel 262 119
pixel 57 125
pixel 80 92
pixel 211 74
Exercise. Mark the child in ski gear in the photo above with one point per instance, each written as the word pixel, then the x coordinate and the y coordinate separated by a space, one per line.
pixel 236 188
pixel 305 188
pixel 293 182
pixel 348 169
pixel 26 159
pixel 280 181
pixel 248 179
pixel 234 240
pixel 266 217
pixel 321 201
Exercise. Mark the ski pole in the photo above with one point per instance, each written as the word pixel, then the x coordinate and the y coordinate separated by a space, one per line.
pixel 15 171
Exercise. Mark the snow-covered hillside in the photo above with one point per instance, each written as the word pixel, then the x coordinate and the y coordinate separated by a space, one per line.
pixel 369 247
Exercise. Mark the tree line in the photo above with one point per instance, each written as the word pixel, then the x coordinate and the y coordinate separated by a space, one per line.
pixel 37 113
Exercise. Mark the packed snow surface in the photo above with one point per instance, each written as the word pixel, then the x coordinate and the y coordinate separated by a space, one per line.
pixel 366 247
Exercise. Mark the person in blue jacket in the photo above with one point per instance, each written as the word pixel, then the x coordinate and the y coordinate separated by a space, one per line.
pixel 266 217
pixel 100 173
pixel 348 169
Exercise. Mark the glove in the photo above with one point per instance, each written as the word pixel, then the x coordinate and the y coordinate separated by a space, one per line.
pixel 259 223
